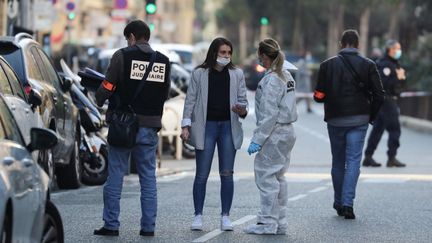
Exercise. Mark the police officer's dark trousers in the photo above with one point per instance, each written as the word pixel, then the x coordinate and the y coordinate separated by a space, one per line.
pixel 387 119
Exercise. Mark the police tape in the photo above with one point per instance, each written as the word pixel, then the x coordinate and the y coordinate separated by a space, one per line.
pixel 403 94
pixel 415 94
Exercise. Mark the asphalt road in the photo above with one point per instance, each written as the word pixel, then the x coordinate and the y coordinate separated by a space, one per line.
pixel 392 204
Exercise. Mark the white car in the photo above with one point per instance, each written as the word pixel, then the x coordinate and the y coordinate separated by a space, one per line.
pixel 26 213
pixel 183 50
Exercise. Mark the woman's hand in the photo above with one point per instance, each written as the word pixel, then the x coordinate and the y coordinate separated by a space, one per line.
pixel 185 133
pixel 239 109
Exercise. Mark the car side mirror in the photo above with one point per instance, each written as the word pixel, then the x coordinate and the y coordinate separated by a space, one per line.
pixel 41 139
pixel 35 99
pixel 66 84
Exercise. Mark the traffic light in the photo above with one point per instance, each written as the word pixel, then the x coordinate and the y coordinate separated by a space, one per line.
pixel 70 7
pixel 71 16
pixel 151 7
pixel 264 21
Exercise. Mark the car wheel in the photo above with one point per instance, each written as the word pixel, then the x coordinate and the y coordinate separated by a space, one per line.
pixel 98 173
pixel 53 226
pixel 6 232
pixel 69 176
pixel 45 160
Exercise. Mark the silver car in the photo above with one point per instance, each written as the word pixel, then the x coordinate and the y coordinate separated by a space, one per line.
pixel 26 213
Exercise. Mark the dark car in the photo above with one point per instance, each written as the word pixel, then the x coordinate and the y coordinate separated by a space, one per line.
pixel 26 212
pixel 36 72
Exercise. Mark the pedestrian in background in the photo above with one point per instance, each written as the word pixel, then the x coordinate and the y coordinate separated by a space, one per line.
pixel 215 100
pixel 394 79
pixel 123 77
pixel 350 88
pixel 303 80
pixel 273 139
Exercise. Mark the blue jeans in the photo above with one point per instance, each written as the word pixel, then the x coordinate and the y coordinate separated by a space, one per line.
pixel 216 132
pixel 144 153
pixel 346 147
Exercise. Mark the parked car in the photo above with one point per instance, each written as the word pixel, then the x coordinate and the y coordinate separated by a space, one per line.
pixel 26 212
pixel 184 51
pixel 36 73
pixel 24 110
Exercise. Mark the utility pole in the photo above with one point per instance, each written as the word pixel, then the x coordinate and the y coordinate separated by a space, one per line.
pixel 264 28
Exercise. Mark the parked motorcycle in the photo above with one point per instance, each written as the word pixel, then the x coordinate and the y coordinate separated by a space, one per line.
pixel 93 150
pixel 91 79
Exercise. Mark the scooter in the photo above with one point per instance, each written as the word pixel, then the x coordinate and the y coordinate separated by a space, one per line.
pixel 93 149
pixel 92 79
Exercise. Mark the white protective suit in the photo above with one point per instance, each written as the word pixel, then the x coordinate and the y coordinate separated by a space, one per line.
pixel 275 107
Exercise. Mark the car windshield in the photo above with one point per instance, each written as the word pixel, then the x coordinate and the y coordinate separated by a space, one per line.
pixel 185 56
pixel 13 56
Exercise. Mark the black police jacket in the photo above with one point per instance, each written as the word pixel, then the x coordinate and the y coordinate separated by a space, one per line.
pixel 387 68
pixel 339 90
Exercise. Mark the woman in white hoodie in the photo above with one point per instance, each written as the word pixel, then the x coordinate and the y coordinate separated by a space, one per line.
pixel 273 139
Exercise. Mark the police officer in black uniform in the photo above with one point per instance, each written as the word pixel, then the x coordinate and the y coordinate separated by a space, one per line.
pixel 125 72
pixel 393 79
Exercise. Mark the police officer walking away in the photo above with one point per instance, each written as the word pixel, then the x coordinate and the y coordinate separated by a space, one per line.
pixel 125 72
pixel 393 78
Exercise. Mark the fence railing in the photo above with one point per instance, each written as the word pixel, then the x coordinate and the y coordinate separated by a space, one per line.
pixel 416 104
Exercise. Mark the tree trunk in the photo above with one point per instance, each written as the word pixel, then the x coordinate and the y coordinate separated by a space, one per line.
pixel 335 25
pixel 393 30
pixel 364 30
pixel 297 39
pixel 242 40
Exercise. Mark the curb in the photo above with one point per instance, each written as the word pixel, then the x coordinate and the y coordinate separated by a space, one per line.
pixel 165 172
pixel 416 124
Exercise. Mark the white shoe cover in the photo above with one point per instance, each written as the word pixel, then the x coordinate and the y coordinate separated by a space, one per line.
pixel 261 229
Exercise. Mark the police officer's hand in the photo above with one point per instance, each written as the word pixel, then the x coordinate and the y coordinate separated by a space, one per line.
pixel 185 133
pixel 239 109
pixel 400 72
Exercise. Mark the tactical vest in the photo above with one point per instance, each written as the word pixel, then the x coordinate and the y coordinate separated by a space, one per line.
pixel 152 96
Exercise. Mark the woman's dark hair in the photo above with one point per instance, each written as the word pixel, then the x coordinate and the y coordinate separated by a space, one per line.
pixel 212 53
pixel 138 28
pixel 350 38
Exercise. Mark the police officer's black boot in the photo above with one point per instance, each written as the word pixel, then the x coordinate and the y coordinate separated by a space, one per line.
pixel 393 162
pixel 369 161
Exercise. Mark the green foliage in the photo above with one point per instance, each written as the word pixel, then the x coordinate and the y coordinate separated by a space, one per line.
pixel 413 28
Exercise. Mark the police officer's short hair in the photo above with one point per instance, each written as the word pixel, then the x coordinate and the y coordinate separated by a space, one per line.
pixel 138 28
pixel 350 38
pixel 389 44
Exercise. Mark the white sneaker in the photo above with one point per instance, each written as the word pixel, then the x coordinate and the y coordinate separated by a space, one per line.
pixel 226 224
pixel 197 223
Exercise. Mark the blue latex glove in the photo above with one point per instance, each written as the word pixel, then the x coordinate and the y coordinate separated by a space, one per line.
pixel 253 148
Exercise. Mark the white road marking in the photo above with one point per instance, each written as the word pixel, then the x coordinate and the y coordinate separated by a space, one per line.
pixel 217 232
pixel 385 180
pixel 313 133
pixel 175 177
pixel 318 189
pixel 298 197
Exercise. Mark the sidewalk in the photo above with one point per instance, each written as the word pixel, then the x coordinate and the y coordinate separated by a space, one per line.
pixel 417 124
pixel 171 166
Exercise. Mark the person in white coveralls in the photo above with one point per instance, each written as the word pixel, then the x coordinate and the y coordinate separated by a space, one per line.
pixel 273 139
